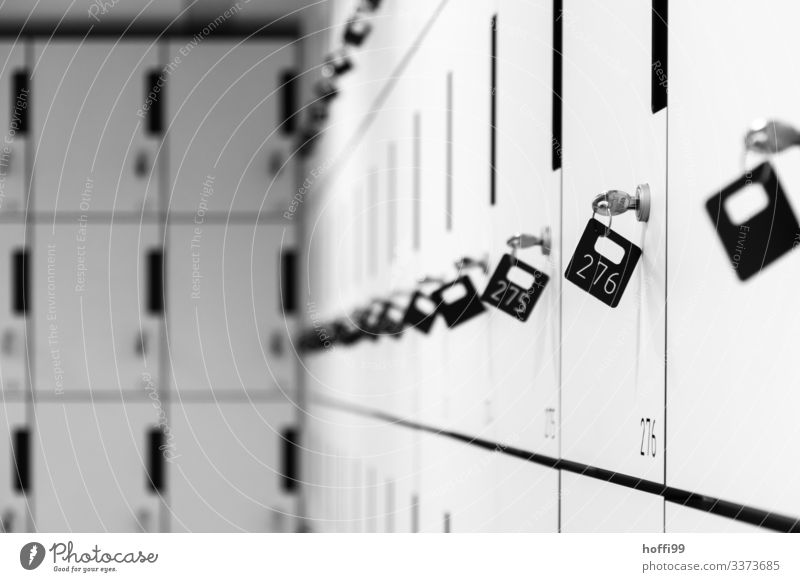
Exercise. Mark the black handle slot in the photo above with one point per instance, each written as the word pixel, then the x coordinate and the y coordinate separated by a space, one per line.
pixel 155 279
pixel 290 467
pixel 20 460
pixel 558 57
pixel 20 103
pixel 288 102
pixel 155 460
pixel 153 100
pixel 658 72
pixel 289 282
pixel 19 281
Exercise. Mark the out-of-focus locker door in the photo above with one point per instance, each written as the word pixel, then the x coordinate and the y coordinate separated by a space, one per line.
pixel 524 355
pixel 464 193
pixel 14 126
pixel 97 467
pixel 97 304
pixel 613 358
pixel 732 367
pixel 227 121
pixel 229 469
pixel 226 328
pixel 526 497
pixel 15 449
pixel 97 131
pixel 13 305
pixel 592 506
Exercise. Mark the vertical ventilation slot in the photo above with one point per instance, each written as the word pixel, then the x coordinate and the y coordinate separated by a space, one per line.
pixel 20 459
pixel 19 278
pixel 449 154
pixel 20 103
pixel 155 278
pixel 415 514
pixel 288 102
pixel 658 72
pixel 290 466
pixel 154 103
pixel 493 118
pixel 289 282
pixel 391 202
pixel 155 460
pixel 417 178
pixel 558 48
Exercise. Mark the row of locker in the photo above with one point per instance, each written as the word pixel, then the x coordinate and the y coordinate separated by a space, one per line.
pixel 114 308
pixel 96 123
pixel 379 477
pixel 88 467
pixel 688 380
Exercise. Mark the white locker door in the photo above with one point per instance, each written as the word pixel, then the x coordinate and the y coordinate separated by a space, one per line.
pixel 731 342
pixel 13 460
pixel 94 149
pixel 526 497
pixel 465 192
pixel 92 467
pixel 225 106
pixel 226 330
pixel 13 299
pixel 524 356
pixel 96 314
pixel 613 358
pixel 681 519
pixel 591 506
pixel 228 470
pixel 15 124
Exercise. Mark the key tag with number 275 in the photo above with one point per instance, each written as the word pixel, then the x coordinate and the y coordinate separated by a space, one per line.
pixel 606 275
pixel 516 286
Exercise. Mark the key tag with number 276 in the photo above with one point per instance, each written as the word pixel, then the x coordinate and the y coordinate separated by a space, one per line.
pixel 606 275
pixel 516 286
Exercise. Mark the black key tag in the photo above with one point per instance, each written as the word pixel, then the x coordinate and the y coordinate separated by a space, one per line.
pixel 765 236
pixel 600 276
pixel 517 299
pixel 459 310
pixel 421 313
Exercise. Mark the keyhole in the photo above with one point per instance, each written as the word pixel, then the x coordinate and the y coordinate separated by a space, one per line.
pixel 140 165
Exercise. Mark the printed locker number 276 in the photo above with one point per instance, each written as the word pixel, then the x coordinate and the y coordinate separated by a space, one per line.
pixel 648 445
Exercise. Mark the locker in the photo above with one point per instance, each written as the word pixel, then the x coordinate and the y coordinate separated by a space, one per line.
pixel 731 365
pixel 464 191
pixel 227 473
pixel 95 466
pixel 226 329
pixel 679 518
pixel 93 103
pixel 13 298
pixel 524 357
pixel 226 106
pixel 469 489
pixel 525 497
pixel 96 308
pixel 613 357
pixel 13 501
pixel 15 121
pixel 590 505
